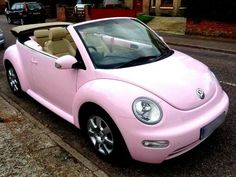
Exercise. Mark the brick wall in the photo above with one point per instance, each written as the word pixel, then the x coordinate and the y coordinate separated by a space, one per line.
pixel 2 6
pixel 211 28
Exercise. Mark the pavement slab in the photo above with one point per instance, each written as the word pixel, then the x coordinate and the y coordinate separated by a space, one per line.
pixel 28 148
pixel 224 45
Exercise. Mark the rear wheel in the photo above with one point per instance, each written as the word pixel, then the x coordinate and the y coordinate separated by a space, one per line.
pixel 22 21
pixel 105 137
pixel 9 20
pixel 42 20
pixel 13 81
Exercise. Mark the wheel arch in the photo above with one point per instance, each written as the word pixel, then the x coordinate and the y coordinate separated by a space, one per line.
pixel 84 112
pixel 12 58
pixel 115 97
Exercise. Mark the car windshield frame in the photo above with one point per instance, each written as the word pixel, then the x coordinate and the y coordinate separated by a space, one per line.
pixel 111 45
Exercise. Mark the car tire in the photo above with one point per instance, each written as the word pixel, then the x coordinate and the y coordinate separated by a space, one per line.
pixel 22 21
pixel 105 138
pixel 13 81
pixel 42 20
pixel 9 20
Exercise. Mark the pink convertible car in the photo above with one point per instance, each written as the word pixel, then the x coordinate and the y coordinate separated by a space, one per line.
pixel 120 83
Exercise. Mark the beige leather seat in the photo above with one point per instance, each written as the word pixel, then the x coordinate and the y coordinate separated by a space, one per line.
pixel 57 44
pixel 41 36
pixel 70 39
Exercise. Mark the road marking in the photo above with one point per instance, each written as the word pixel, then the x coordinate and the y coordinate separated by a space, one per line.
pixel 228 83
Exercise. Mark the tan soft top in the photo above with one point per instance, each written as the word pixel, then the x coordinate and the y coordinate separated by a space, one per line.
pixel 16 31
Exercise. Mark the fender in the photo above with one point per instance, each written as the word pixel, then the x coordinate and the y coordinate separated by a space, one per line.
pixel 103 92
pixel 12 55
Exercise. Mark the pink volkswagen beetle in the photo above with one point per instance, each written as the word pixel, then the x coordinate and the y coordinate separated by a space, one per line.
pixel 120 83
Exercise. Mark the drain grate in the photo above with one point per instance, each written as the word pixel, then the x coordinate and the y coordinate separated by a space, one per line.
pixel 10 119
pixel 1 120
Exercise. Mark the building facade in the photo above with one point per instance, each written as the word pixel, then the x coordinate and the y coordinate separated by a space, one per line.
pixel 159 7
pixel 150 7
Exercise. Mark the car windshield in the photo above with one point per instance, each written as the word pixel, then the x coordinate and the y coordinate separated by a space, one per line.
pixel 121 43
pixel 81 2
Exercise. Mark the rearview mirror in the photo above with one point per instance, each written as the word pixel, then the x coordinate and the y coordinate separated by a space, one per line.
pixel 65 62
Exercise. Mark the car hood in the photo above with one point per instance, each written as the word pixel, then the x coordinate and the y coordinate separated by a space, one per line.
pixel 175 79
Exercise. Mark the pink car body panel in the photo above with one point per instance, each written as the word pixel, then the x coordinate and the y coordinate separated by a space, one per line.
pixel 184 114
pixel 14 56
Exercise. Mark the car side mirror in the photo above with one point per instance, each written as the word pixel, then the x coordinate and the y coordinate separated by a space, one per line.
pixel 65 62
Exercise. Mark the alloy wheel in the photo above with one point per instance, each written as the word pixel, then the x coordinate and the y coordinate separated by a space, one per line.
pixel 100 135
pixel 9 20
pixel 13 80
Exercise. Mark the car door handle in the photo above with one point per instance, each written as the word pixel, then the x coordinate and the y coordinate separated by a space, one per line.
pixel 34 61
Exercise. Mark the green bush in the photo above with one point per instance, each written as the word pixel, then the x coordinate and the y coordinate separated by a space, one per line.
pixel 145 18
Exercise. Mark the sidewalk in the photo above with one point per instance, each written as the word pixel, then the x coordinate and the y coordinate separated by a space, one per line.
pixel 28 148
pixel 208 43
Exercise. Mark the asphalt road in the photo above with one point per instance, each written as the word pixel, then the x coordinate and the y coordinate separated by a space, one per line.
pixel 215 157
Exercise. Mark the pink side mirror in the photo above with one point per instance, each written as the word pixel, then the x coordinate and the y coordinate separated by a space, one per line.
pixel 65 62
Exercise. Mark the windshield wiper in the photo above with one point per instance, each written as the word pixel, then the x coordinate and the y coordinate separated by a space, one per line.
pixel 139 60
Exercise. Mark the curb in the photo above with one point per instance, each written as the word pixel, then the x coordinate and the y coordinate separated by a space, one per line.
pixel 83 160
pixel 202 47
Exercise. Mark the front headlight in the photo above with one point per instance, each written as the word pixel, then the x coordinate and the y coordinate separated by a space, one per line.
pixel 147 111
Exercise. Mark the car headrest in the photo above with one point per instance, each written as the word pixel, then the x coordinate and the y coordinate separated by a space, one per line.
pixel 41 33
pixel 69 38
pixel 57 33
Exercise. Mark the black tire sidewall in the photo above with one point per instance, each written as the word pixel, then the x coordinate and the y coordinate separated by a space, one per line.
pixel 19 92
pixel 22 21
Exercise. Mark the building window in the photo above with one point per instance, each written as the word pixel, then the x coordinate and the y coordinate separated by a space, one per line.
pixel 153 3
pixel 184 3
pixel 167 3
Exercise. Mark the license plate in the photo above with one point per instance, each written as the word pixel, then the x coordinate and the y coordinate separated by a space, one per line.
pixel 36 13
pixel 209 128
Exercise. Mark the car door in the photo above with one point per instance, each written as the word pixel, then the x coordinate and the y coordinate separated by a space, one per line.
pixel 55 86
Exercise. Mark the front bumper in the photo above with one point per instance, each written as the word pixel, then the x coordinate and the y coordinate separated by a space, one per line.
pixel 182 132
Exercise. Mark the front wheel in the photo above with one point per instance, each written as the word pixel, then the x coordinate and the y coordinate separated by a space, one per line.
pixel 9 20
pixel 105 137
pixel 13 81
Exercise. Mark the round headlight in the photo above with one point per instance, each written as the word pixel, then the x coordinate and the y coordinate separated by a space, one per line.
pixel 147 111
